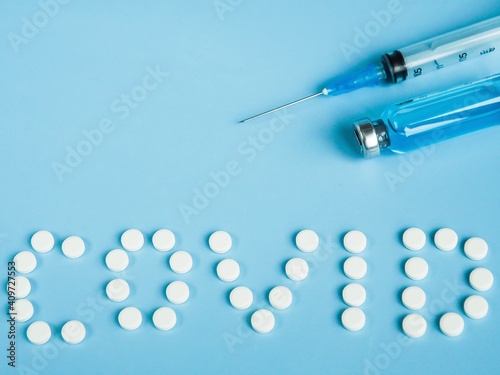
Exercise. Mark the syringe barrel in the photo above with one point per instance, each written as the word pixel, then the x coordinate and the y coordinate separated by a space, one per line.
pixel 436 53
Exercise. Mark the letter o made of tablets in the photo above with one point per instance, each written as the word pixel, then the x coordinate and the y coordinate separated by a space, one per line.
pixel 416 268
pixel 476 307
pixel 164 318
pixel 355 241
pixel 23 310
pixel 353 319
pixel 181 262
pixel 25 262
pixel 73 247
pixel 446 239
pixel 280 297
pixel 355 267
pixel 451 324
pixel 476 248
pixel 414 239
pixel 307 240
pixel 130 318
pixel 117 260
pixel 228 270
pixel 297 269
pixel 177 292
pixel 22 287
pixel 481 279
pixel 414 326
pixel 354 294
pixel 73 332
pixel 42 241
pixel 241 298
pixel 262 321
pixel 39 332
pixel 413 298
pixel 220 242
pixel 132 240
pixel 117 290
pixel 164 240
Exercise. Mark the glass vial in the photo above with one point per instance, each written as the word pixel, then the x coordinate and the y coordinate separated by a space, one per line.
pixel 432 118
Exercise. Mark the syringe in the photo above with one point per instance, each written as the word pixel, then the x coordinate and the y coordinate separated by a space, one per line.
pixel 413 61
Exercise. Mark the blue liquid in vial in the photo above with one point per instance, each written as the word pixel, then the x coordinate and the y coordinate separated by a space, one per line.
pixel 437 117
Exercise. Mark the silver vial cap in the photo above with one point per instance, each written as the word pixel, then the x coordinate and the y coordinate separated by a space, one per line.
pixel 371 136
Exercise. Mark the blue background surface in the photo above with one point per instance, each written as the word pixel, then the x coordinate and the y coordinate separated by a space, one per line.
pixel 222 67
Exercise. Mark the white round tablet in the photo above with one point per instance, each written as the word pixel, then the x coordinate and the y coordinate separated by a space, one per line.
pixel 73 247
pixel 228 270
pixel 307 240
pixel 481 279
pixel 73 332
pixel 130 318
pixel 414 325
pixel 181 262
pixel 132 240
pixel 177 292
pixel 262 321
pixel 476 307
pixel 354 294
pixel 413 298
pixel 117 290
pixel 164 318
pixel 446 239
pixel 297 269
pixel 220 242
pixel 416 268
pixel 353 319
pixel 355 267
pixel 280 297
pixel 117 260
pixel 42 241
pixel 241 298
pixel 476 248
pixel 414 239
pixel 451 324
pixel 22 286
pixel 23 310
pixel 355 241
pixel 164 240
pixel 25 262
pixel 38 333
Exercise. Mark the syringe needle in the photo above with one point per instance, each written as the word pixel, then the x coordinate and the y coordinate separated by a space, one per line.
pixel 284 106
